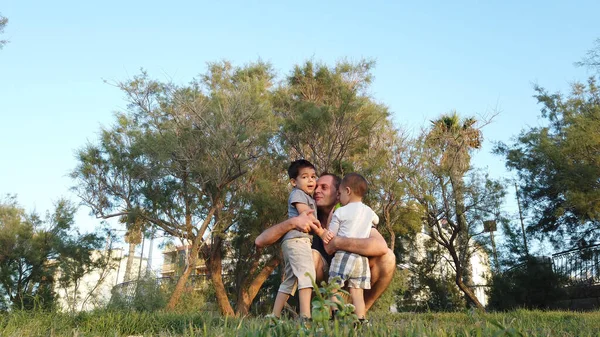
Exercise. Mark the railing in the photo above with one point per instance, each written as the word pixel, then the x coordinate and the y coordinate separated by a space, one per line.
pixel 523 265
pixel 581 267
pixel 126 291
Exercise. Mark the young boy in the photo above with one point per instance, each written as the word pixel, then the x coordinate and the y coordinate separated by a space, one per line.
pixel 353 220
pixel 296 245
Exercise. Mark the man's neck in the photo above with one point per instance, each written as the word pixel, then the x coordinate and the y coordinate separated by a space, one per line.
pixel 323 215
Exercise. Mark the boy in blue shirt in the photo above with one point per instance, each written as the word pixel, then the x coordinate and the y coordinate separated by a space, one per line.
pixel 296 245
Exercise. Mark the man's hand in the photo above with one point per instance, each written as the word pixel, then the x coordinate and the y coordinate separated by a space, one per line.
pixel 306 221
pixel 303 222
pixel 375 245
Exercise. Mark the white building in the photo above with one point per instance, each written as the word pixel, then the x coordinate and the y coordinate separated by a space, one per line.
pixel 94 289
pixel 479 264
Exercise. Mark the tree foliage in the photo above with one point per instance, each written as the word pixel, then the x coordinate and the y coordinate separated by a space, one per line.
pixel 328 117
pixel 205 162
pixel 327 114
pixel 173 158
pixel 383 165
pixel 558 166
pixel 3 23
pixel 32 250
pixel 454 202
pixel 532 285
pixel 592 58
pixel 431 285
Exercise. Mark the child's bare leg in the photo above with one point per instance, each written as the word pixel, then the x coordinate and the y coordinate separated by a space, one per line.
pixel 304 299
pixel 358 300
pixel 334 299
pixel 280 301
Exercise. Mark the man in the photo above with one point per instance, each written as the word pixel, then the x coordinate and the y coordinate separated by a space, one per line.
pixel 382 261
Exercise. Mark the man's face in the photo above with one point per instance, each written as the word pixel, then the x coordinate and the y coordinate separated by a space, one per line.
pixel 326 194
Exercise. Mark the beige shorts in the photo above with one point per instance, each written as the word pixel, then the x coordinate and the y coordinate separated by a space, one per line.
pixel 297 258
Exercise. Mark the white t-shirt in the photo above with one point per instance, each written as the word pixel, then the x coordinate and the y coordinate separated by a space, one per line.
pixel 353 221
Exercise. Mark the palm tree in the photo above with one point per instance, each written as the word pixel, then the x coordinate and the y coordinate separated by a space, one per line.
pixel 133 237
pixel 454 139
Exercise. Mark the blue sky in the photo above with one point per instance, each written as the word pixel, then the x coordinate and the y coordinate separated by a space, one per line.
pixel 432 57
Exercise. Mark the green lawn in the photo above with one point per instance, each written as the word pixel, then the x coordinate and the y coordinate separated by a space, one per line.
pixel 103 323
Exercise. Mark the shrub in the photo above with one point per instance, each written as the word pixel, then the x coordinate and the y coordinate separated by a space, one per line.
pixel 532 285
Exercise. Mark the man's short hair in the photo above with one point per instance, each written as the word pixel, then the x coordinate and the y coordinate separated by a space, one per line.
pixel 336 179
pixel 356 182
pixel 296 165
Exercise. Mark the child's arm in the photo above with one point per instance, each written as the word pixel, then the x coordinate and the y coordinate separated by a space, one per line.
pixel 374 218
pixel 324 234
pixel 334 224
pixel 305 208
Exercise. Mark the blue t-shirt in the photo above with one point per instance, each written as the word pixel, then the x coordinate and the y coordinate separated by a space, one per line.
pixel 298 196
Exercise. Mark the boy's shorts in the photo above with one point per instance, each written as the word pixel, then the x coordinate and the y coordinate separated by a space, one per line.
pixel 298 260
pixel 351 267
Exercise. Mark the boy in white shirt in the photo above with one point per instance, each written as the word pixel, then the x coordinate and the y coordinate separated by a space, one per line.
pixel 353 220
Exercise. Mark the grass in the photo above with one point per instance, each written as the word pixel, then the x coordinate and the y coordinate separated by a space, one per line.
pixel 106 323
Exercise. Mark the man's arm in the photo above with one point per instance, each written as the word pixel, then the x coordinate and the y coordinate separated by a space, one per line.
pixel 375 245
pixel 303 223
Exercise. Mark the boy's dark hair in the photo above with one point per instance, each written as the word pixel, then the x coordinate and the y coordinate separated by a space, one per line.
pixel 296 165
pixel 357 183
pixel 336 179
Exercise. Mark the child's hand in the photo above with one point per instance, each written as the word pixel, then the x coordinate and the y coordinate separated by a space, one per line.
pixel 326 236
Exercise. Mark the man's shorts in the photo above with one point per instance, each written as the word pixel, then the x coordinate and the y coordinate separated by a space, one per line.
pixel 298 260
pixel 351 267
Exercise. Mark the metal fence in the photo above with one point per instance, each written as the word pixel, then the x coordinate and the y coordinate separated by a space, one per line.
pixel 581 267
pixel 127 291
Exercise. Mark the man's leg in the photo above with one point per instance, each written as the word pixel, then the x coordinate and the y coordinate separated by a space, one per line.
pixel 382 272
pixel 321 272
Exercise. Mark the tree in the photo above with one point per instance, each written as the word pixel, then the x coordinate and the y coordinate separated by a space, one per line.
pixel 512 252
pixel 263 198
pixel 78 278
pixel 204 162
pixel 558 166
pixel 328 116
pixel 3 23
pixel 532 285
pixel 382 165
pixel 133 237
pixel 430 284
pixel 32 250
pixel 592 58
pixel 452 200
pixel 173 159
pixel 454 139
